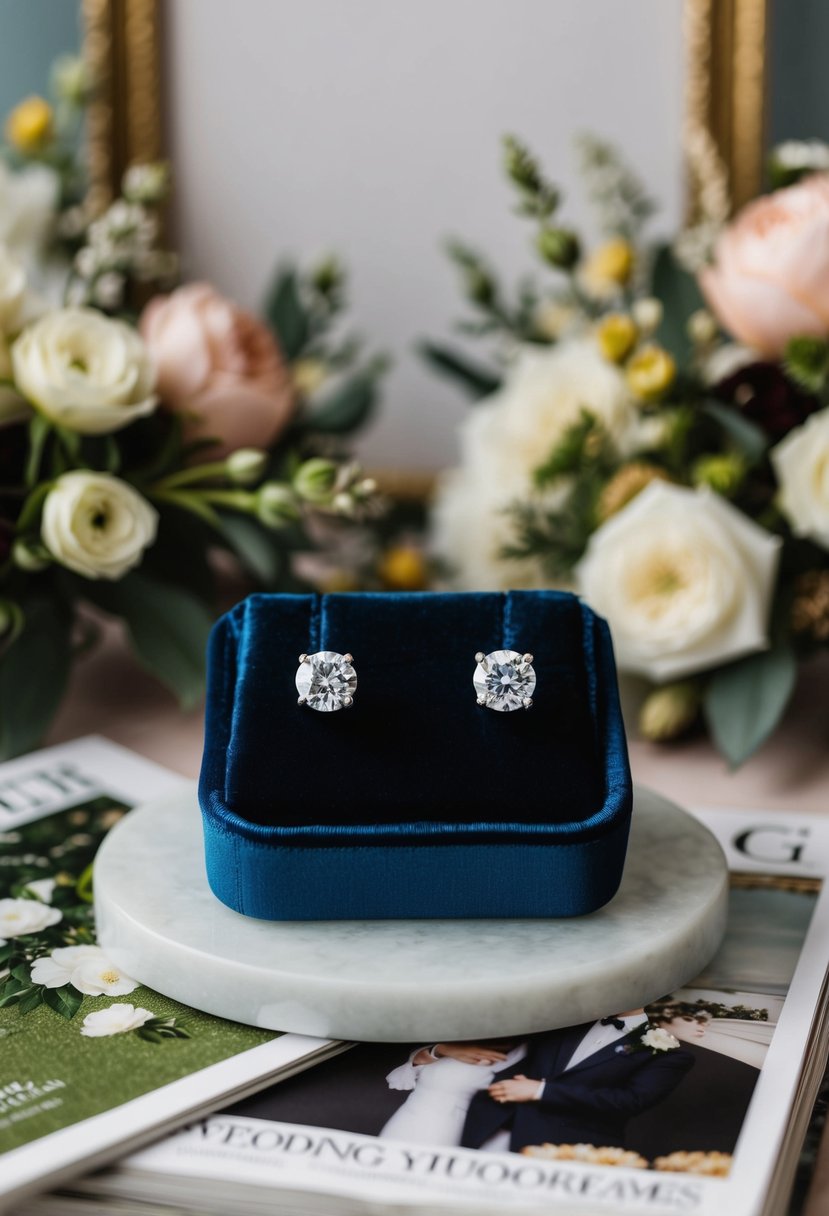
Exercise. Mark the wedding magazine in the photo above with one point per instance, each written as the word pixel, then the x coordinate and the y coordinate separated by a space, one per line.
pixel 698 1104
pixel 91 1062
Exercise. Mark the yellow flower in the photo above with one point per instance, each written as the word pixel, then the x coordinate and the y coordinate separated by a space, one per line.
pixel 624 485
pixel 616 335
pixel 402 568
pixel 29 127
pixel 724 473
pixel 650 373
pixel 609 266
pixel 669 711
pixel 309 375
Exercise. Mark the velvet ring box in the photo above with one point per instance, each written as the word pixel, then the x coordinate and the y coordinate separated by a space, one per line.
pixel 416 801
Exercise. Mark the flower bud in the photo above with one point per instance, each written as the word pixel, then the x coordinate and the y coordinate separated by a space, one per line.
pixel 650 373
pixel 246 466
pixel 343 503
pixel 702 328
pixel 480 286
pixel 647 313
pixel 616 335
pixel 669 711
pixel 30 555
pixel 327 278
pixel 403 568
pixel 610 266
pixel 147 183
pixel 559 247
pixel 30 126
pixel 276 505
pixel 724 473
pixel 315 479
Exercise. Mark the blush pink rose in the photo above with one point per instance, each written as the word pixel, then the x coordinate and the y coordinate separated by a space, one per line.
pixel 218 366
pixel 770 278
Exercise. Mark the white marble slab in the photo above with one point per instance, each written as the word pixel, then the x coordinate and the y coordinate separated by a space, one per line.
pixel 409 980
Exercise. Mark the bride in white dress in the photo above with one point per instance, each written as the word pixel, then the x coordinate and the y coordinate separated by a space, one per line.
pixel 441 1091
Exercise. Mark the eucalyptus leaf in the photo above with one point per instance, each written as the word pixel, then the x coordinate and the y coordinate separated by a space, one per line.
pixel 286 314
pixel 168 627
pixel 744 702
pixel 680 297
pixel 345 407
pixel 254 546
pixel 475 379
pixel 33 674
pixel 39 428
pixel 66 1000
pixel 749 438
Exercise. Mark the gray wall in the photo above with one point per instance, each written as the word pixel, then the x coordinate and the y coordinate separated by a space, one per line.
pixel 799 101
pixel 32 34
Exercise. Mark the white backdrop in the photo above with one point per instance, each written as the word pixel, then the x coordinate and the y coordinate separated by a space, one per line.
pixel 372 127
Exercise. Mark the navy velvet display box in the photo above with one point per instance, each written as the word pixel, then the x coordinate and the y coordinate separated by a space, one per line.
pixel 416 801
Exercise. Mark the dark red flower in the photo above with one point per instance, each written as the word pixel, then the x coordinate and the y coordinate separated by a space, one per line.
pixel 763 394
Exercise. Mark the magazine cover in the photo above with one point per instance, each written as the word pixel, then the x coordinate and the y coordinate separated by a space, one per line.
pixel 89 1058
pixel 683 1105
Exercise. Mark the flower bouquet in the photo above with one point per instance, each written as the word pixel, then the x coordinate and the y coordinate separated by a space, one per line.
pixel 143 434
pixel 653 432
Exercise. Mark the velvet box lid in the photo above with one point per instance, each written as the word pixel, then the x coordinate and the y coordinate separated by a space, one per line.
pixel 416 801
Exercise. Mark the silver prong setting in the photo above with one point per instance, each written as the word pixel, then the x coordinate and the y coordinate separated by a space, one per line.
pixel 302 700
pixel 348 702
pixel 527 702
pixel 479 656
pixel 303 658
pixel 349 658
pixel 528 658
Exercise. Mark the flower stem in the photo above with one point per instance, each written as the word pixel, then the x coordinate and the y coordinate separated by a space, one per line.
pixel 192 475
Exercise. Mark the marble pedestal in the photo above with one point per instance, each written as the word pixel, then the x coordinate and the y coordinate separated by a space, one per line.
pixel 398 981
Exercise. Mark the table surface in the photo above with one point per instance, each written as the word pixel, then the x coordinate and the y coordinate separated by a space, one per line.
pixel 110 695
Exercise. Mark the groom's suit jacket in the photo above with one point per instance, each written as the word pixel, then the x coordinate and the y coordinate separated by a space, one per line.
pixel 587 1104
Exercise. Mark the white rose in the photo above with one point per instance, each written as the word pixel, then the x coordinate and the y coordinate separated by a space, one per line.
pixel 117 1019
pixel 801 462
pixel 96 524
pixel 506 438
pixel 659 1039
pixel 84 371
pixel 684 579
pixel 21 916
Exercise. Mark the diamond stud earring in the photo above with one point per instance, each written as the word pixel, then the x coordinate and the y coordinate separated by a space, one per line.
pixel 504 680
pixel 326 681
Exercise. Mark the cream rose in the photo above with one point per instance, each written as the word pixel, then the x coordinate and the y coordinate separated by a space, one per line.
pixel 84 371
pixel 770 277
pixel 96 524
pixel 684 580
pixel 506 438
pixel 219 367
pixel 801 462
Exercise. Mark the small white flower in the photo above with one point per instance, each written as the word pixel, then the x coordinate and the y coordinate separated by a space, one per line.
pixel 684 579
pixel 96 524
pixel 84 371
pixel 43 888
pixel 647 313
pixel 86 968
pixel 28 203
pixel 659 1039
pixel 117 1019
pixel 21 916
pixel 801 462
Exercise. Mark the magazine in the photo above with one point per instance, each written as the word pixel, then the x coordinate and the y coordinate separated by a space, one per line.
pixel 91 1062
pixel 698 1103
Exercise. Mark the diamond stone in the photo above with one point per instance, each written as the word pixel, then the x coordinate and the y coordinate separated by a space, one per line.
pixel 504 680
pixel 326 681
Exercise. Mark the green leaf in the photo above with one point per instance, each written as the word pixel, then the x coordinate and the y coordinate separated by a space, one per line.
pixel 749 438
pixel 32 1000
pixel 476 380
pixel 66 1000
pixel 39 428
pixel 32 506
pixel 254 547
pixel 168 627
pixel 806 361
pixel 33 675
pixel 21 973
pixel 680 297
pixel 346 407
pixel 744 702
pixel 285 313
pixel 6 952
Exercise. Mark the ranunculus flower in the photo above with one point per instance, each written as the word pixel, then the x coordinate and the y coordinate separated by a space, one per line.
pixel 86 968
pixel 219 367
pixel 506 438
pixel 801 463
pixel 770 278
pixel 117 1019
pixel 84 371
pixel 21 916
pixel 684 579
pixel 96 524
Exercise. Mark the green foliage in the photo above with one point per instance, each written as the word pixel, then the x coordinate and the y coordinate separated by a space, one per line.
pixel 619 198
pixel 254 546
pixel 33 673
pixel 66 1001
pixel 156 1030
pixel 346 407
pixel 286 313
pixel 584 445
pixel 749 438
pixel 807 362
pixel 556 538
pixel 475 379
pixel 680 296
pixel 538 196
pixel 744 701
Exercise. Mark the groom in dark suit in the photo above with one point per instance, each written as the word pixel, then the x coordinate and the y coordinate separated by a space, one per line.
pixel 580 1085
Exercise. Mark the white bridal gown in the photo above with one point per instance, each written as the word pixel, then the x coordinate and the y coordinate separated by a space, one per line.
pixel 436 1109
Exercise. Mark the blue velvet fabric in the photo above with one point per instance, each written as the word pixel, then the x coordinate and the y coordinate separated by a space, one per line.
pixel 416 802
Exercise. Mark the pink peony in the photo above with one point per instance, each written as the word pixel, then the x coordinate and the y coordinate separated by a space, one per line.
pixel 219 366
pixel 770 277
